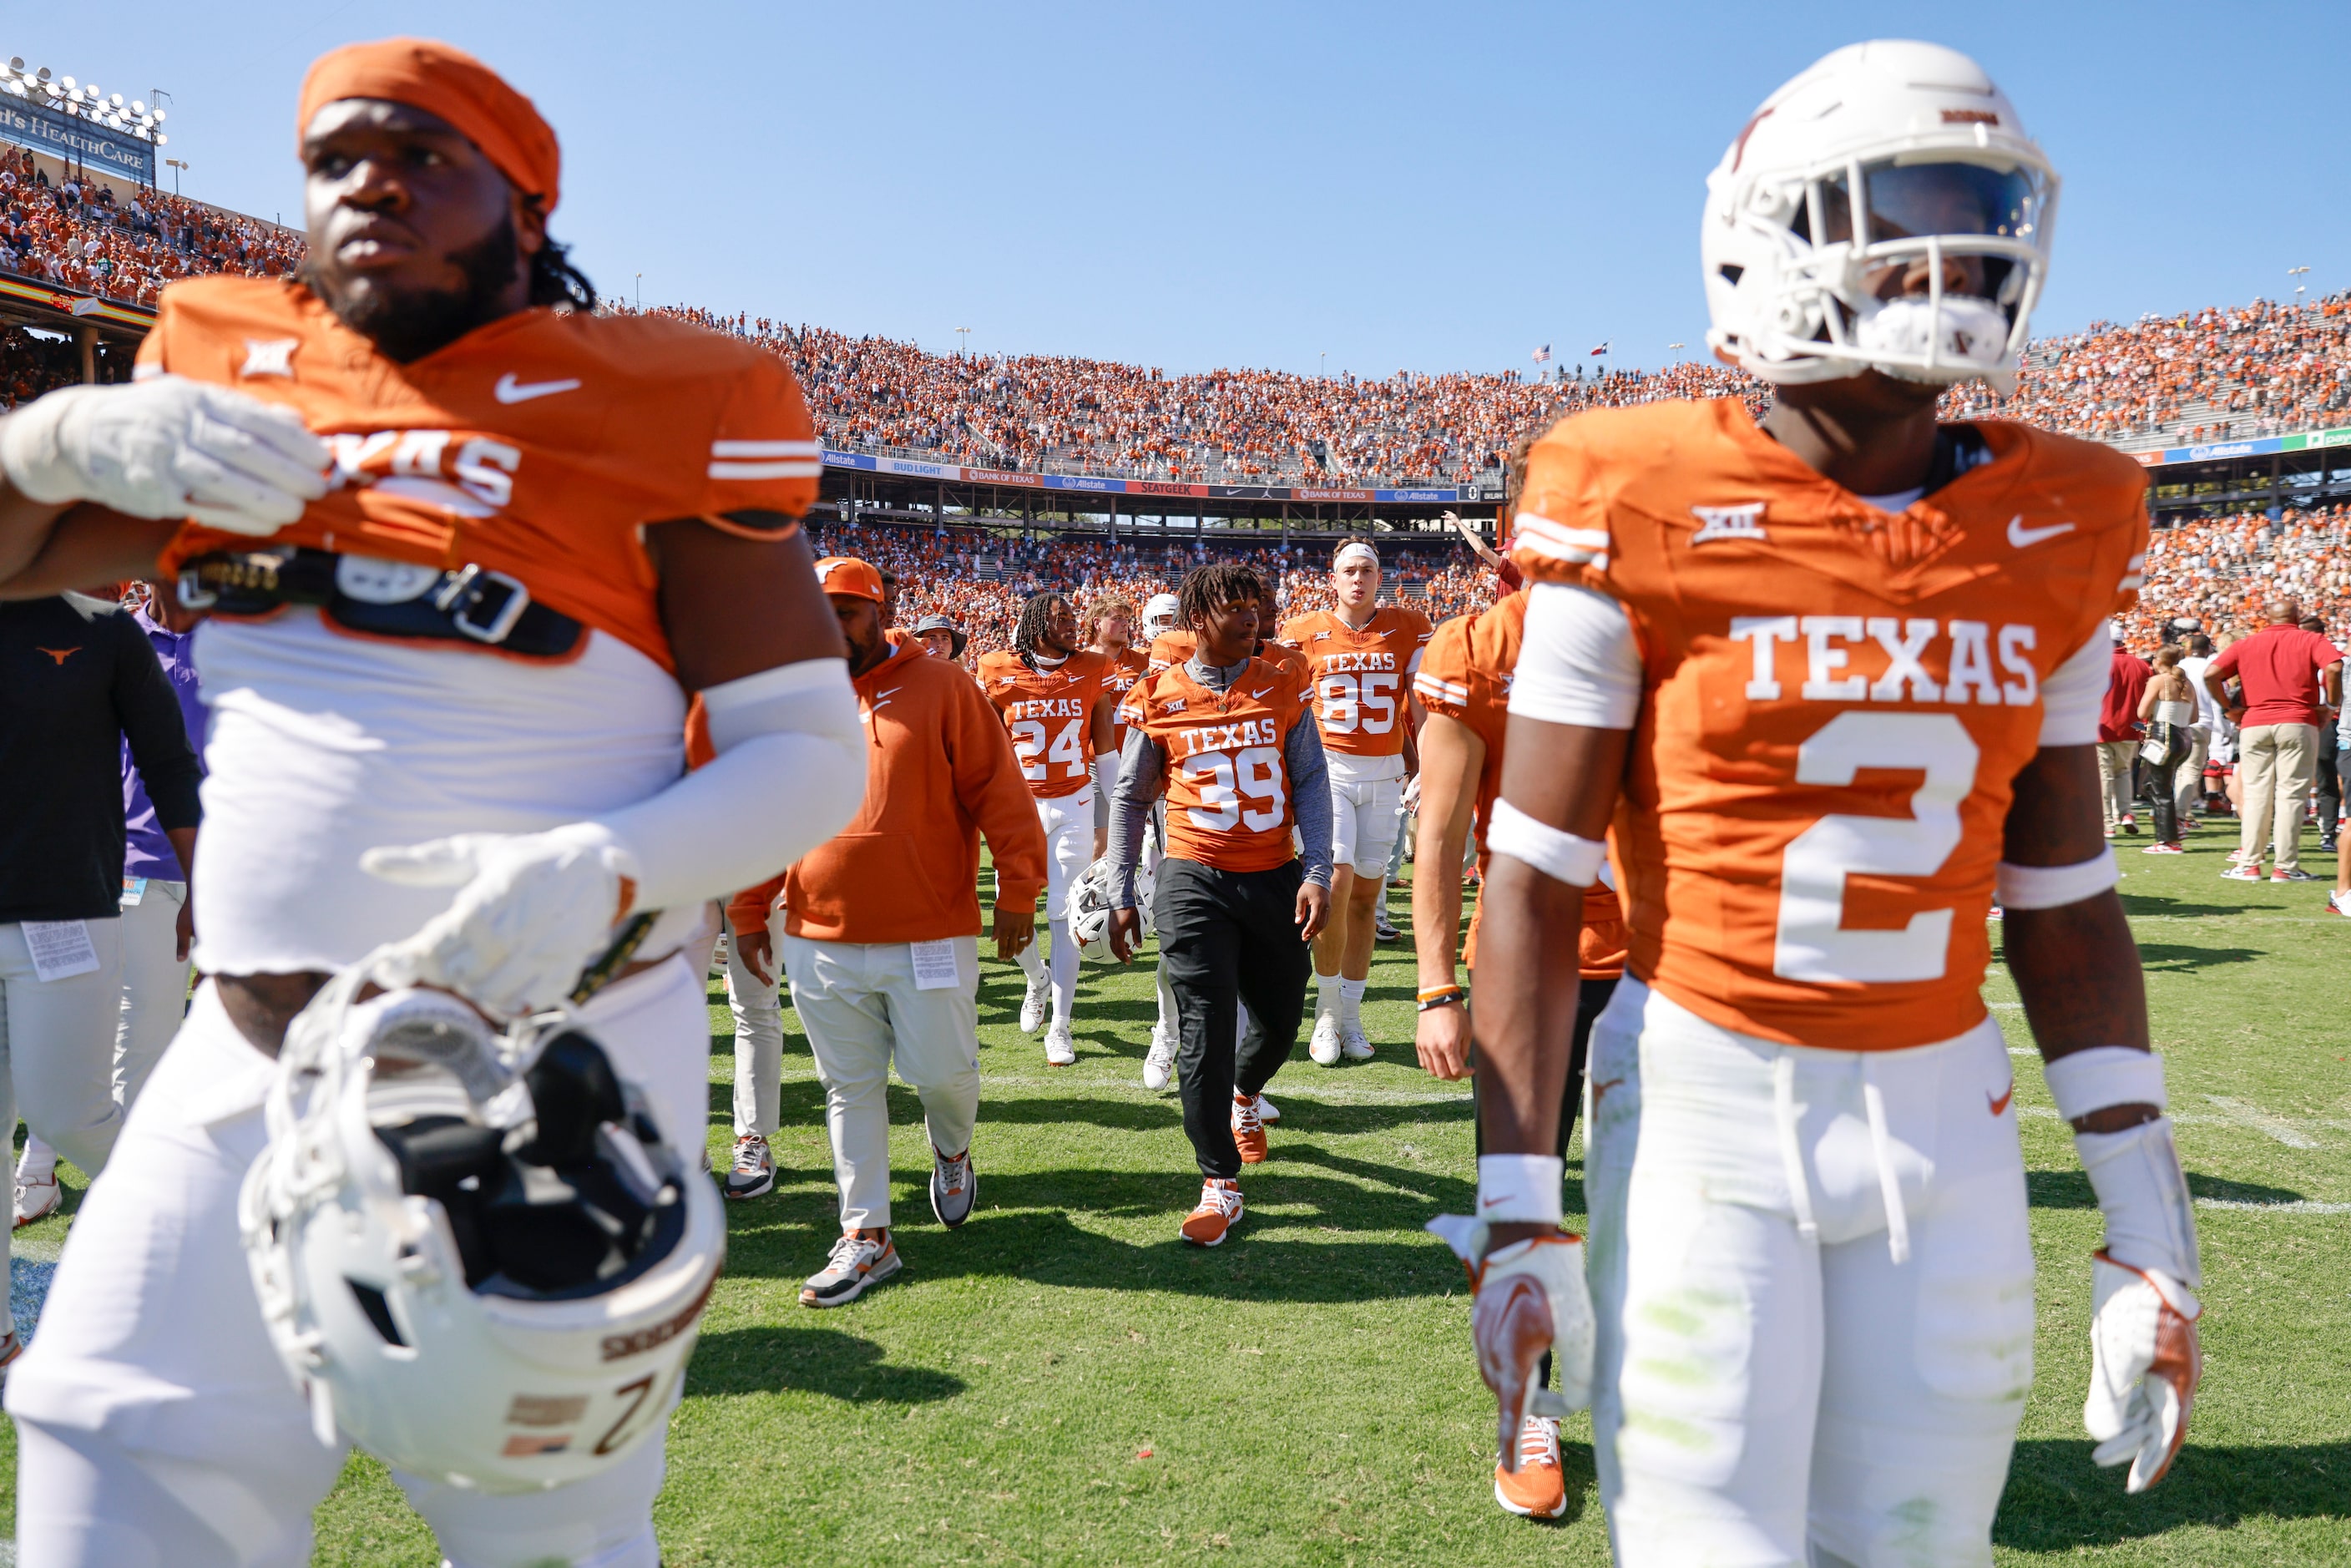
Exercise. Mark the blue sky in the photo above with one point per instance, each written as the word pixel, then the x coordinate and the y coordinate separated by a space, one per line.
pixel 1367 187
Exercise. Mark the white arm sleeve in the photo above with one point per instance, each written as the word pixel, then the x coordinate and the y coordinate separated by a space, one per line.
pixel 791 772
pixel 2075 690
pixel 1579 664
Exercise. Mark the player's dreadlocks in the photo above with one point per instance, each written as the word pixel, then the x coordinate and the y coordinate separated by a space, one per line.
pixel 555 281
pixel 1214 586
pixel 1032 625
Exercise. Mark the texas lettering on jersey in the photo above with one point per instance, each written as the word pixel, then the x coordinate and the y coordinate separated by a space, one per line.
pixel 1228 798
pixel 1361 676
pixel 540 446
pixel 1466 676
pixel 1046 713
pixel 1836 700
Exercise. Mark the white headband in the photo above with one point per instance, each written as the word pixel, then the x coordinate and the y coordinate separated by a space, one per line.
pixel 1349 552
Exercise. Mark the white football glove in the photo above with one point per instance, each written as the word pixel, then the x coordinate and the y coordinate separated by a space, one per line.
pixel 2145 1363
pixel 1412 793
pixel 167 447
pixel 1530 1297
pixel 532 911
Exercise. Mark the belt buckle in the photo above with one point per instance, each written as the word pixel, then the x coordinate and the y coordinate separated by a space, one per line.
pixel 457 604
pixel 192 593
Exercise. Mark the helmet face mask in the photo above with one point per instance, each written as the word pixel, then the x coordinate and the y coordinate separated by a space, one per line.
pixel 1930 276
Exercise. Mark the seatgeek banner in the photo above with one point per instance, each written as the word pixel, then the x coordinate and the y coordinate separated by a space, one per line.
pixel 1088 483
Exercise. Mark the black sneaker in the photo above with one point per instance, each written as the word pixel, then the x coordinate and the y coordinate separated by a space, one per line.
pixel 955 1187
pixel 754 1174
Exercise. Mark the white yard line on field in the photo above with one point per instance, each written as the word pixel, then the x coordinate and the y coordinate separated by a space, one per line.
pixel 2301 1205
pixel 2261 1122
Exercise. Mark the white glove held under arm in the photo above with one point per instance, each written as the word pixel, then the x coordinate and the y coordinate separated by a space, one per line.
pixel 167 447
pixel 532 910
pixel 2145 1365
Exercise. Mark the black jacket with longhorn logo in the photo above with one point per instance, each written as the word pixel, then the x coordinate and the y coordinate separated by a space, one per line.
pixel 77 677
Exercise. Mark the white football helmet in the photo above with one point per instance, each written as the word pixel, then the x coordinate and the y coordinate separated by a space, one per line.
pixel 1885 210
pixel 1090 908
pixel 473 1251
pixel 1159 616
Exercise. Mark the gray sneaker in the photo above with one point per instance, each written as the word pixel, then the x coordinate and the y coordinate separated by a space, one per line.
pixel 955 1187
pixel 857 1264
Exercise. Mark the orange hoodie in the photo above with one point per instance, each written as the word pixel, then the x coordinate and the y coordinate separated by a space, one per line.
pixel 939 772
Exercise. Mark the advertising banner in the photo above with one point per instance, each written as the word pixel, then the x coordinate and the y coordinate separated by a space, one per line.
pixel 42 129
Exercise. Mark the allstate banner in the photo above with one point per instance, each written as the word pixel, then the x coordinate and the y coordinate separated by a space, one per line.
pixel 1089 484
pixel 45 131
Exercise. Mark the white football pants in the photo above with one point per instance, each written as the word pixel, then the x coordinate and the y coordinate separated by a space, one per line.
pixel 154 998
pixel 157 1427
pixel 1770 1378
pixel 1068 824
pixel 862 1011
pixel 1366 805
pixel 759 1008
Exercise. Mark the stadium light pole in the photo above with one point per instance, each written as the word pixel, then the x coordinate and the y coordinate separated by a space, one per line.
pixel 640 291
pixel 965 333
pixel 176 165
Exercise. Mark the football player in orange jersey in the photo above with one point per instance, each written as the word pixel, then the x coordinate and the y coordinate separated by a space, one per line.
pixel 1362 658
pixel 1227 736
pixel 471 547
pixel 1109 630
pixel 1825 683
pixel 1055 698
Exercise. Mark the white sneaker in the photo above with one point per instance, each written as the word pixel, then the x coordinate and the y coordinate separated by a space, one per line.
pixel 36 1200
pixel 1160 1063
pixel 1265 1110
pixel 1355 1045
pixel 1324 1045
pixel 857 1264
pixel 1061 1049
pixel 1034 1005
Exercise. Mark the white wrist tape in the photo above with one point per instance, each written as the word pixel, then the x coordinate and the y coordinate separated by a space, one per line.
pixel 1553 851
pixel 2150 1217
pixel 1519 1187
pixel 791 772
pixel 2052 886
pixel 2104 1075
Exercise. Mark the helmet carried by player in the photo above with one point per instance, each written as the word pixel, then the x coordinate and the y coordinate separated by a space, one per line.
pixel 1090 908
pixel 1882 211
pixel 474 1250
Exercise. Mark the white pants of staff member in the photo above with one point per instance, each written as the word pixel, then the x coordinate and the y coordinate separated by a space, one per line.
pixel 862 1013
pixel 759 1008
pixel 154 998
pixel 57 1050
pixel 156 1424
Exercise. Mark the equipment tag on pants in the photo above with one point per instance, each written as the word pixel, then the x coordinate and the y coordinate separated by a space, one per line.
pixel 934 965
pixel 61 948
pixel 134 888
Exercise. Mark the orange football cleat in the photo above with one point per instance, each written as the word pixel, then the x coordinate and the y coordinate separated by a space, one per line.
pixel 1248 1129
pixel 1219 1211
pixel 1536 1489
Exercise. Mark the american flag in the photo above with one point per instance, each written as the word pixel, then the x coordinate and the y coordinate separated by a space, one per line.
pixel 1542 355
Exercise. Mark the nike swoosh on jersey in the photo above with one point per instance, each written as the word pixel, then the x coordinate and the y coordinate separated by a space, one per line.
pixel 2023 538
pixel 2000 1104
pixel 509 390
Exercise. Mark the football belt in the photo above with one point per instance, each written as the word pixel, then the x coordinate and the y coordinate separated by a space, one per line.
pixel 383 598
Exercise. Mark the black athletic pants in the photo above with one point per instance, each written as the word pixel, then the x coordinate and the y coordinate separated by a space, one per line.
pixel 1589 1004
pixel 2330 781
pixel 1228 936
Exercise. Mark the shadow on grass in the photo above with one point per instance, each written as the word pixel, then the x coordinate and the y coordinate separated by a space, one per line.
pixel 2071 1189
pixel 2175 958
pixel 2056 1501
pixel 810 1361
pixel 2180 908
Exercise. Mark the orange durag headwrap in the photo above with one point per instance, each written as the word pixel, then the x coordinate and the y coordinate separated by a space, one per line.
pixel 449 82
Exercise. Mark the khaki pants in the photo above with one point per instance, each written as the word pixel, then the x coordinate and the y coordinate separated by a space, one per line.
pixel 862 1012
pixel 2276 764
pixel 2115 775
pixel 2187 784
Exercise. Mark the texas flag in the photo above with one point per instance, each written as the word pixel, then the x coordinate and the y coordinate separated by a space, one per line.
pixel 1542 355
pixel 1601 349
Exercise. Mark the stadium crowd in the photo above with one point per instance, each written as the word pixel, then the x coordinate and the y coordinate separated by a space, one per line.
pixel 76 233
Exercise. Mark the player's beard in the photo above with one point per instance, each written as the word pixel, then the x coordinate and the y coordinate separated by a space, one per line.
pixel 404 327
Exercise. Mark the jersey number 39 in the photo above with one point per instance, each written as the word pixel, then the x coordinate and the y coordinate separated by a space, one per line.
pixel 1813 944
pixel 1226 781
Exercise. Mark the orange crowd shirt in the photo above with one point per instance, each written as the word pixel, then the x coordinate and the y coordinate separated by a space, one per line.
pixel 1836 700
pixel 1362 675
pixel 538 445
pixel 1047 712
pixel 1228 796
pixel 939 772
pixel 1466 676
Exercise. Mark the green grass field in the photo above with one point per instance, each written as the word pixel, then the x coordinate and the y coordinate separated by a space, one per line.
pixel 1062 1381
